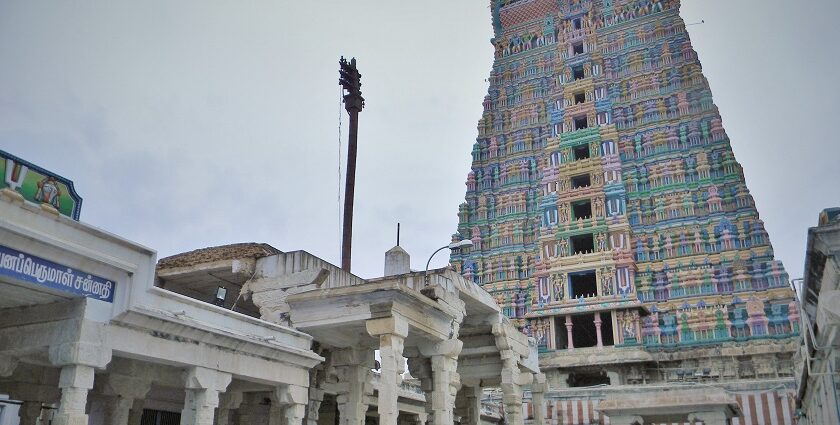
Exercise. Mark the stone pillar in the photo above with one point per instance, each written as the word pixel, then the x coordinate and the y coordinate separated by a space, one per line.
pixel 391 332
pixel 421 368
pixel 512 382
pixel 416 418
pixel 353 368
pixel 120 393
pixel 598 329
pixel 228 402
pixel 202 395
pixel 538 389
pixel 614 377
pixel 75 381
pixel 135 415
pixel 708 418
pixel 288 405
pixel 445 381
pixel 77 361
pixel 316 396
pixel 570 345
pixel 626 420
pixel 252 411
pixel 473 395
pixel 117 410
pixel 29 412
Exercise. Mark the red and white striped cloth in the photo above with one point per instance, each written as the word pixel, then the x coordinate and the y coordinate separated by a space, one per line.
pixel 757 408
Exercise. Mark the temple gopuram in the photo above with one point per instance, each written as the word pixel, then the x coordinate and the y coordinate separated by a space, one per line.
pixel 612 223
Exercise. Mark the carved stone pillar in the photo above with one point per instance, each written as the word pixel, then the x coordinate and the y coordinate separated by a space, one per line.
pixel 316 396
pixel 353 368
pixel 228 402
pixel 598 330
pixel 570 345
pixel 391 332
pixel 29 412
pixel 77 361
pixel 421 368
pixel 538 389
pixel 135 415
pixel 288 405
pixel 472 412
pixel 202 395
pixel 120 393
pixel 75 381
pixel 445 381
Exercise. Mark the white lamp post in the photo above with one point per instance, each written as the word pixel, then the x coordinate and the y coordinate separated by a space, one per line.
pixel 454 245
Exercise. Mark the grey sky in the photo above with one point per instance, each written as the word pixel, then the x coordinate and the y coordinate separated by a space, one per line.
pixel 196 123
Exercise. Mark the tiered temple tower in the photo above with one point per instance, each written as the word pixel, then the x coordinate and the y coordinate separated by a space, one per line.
pixel 609 216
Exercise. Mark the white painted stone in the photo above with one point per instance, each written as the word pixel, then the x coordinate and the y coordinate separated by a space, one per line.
pixel 202 395
pixel 397 261
pixel 75 381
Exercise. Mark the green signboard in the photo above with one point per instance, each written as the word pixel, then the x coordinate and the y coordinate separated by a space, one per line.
pixel 38 185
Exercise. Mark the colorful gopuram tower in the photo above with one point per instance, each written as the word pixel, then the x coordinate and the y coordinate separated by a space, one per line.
pixel 609 217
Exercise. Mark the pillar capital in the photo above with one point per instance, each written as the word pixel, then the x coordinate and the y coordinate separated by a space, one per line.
pixel 392 325
pixel 203 386
pixel 288 404
pixel 286 395
pixel 75 381
pixel 539 384
pixel 450 348
pixel 80 353
pixel 202 378
pixel 353 369
pixel 126 386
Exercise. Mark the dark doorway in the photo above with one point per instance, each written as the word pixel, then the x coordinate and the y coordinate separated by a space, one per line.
pixel 607 329
pixel 577 72
pixel 583 331
pixel 577 48
pixel 582 209
pixel 583 284
pixel 580 181
pixel 581 152
pixel 588 379
pixel 561 334
pixel 580 123
pixel 583 244
pixel 580 98
pixel 159 417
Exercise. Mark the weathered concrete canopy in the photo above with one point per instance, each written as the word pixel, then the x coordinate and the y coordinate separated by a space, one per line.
pixel 672 405
pixel 64 340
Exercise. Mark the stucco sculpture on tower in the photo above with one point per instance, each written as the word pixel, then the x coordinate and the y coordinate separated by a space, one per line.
pixel 602 173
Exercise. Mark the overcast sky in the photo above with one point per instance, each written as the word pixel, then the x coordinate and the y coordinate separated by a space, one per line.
pixel 197 123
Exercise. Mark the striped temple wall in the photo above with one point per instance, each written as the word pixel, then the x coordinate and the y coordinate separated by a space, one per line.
pixel 757 408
